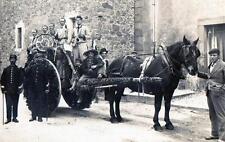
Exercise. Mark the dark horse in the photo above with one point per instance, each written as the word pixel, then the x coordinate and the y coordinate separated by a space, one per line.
pixel 167 66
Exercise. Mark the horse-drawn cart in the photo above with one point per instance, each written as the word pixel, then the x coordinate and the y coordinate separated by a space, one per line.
pixel 66 75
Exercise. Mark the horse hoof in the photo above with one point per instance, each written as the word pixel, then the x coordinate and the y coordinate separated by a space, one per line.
pixel 113 120
pixel 169 126
pixel 157 127
pixel 119 119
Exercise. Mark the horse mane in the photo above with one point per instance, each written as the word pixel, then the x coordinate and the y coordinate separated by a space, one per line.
pixel 174 48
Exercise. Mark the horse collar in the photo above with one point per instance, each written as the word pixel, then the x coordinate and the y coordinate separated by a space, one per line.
pixel 168 61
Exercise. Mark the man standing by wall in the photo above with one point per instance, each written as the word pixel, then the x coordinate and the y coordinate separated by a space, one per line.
pixel 215 92
pixel 11 85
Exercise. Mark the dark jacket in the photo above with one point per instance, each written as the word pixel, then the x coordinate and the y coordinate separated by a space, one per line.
pixel 216 78
pixel 86 66
pixel 11 79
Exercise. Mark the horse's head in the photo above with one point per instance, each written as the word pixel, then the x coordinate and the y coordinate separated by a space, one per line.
pixel 189 54
pixel 185 53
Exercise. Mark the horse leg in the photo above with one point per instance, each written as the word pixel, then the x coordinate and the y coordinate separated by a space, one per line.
pixel 167 99
pixel 110 96
pixel 112 114
pixel 117 101
pixel 157 105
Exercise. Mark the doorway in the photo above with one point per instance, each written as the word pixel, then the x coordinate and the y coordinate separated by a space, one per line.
pixel 216 38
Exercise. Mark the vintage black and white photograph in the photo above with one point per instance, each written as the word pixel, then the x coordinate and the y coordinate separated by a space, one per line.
pixel 112 71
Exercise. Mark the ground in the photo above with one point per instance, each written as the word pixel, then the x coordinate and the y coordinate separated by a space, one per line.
pixel 66 125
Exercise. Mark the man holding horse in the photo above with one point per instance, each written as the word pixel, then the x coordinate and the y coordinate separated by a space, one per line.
pixel 215 92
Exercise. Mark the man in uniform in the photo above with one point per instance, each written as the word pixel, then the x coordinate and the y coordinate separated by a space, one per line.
pixel 215 92
pixel 81 38
pixel 38 74
pixel 90 67
pixel 11 85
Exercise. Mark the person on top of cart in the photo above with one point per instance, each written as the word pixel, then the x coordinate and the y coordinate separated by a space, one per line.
pixel 81 38
pixel 62 33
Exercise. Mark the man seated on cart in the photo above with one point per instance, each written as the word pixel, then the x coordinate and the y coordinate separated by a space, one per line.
pixel 90 67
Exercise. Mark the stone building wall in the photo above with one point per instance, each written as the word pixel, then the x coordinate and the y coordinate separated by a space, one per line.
pixel 189 17
pixel 179 17
pixel 174 19
pixel 114 19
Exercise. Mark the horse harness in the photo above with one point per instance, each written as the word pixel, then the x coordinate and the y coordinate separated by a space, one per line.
pixel 167 60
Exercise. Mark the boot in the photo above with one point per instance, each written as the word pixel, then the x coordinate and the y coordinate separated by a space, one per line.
pixel 40 119
pixel 15 120
pixel 8 120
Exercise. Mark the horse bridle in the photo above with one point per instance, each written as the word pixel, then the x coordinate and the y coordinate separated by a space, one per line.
pixel 169 61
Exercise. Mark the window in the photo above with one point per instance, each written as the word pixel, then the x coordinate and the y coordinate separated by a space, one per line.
pixel 216 38
pixel 19 38
pixel 19 35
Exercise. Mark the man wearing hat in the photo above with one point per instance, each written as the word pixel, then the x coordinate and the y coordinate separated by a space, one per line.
pixel 90 67
pixel 11 85
pixel 103 70
pixel 81 38
pixel 134 54
pixel 215 92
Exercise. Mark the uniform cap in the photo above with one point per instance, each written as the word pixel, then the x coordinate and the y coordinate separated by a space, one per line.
pixel 13 56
